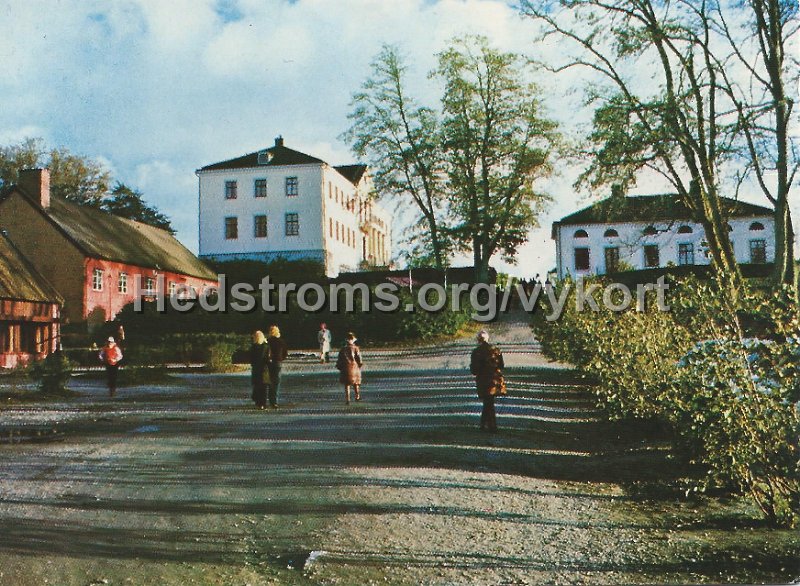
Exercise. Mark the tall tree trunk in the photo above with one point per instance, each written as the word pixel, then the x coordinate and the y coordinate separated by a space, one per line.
pixel 784 268
pixel 436 245
pixel 719 244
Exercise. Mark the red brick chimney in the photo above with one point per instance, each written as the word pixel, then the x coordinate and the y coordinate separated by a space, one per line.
pixel 36 183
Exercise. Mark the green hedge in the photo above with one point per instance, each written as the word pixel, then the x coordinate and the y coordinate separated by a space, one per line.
pixel 298 327
pixel 725 376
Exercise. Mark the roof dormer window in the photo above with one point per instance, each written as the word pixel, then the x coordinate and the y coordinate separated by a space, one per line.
pixel 264 157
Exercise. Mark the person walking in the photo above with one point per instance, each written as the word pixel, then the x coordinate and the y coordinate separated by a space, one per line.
pixel 349 365
pixel 324 340
pixel 111 355
pixel 278 353
pixel 486 363
pixel 259 365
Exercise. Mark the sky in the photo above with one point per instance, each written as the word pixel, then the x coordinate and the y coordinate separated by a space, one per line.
pixel 156 89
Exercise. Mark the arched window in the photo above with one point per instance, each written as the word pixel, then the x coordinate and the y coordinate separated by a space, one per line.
pixel 756 226
pixel 730 228
pixel 611 233
pixel 650 231
pixel 685 230
pixel 581 234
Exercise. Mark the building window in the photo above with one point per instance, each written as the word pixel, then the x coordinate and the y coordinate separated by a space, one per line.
pixel 260 188
pixel 291 186
pixel 651 256
pixel 611 233
pixel 685 230
pixel 581 234
pixel 149 286
pixel 122 283
pixel 173 288
pixel 758 251
pixel 330 227
pixel 650 231
pixel 612 259
pixel 231 228
pixel 756 227
pixel 292 224
pixel 260 226
pixel 581 259
pixel 686 254
pixel 231 189
pixel 97 280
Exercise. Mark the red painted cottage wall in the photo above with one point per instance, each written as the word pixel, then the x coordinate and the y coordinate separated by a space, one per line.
pixel 104 305
pixel 29 330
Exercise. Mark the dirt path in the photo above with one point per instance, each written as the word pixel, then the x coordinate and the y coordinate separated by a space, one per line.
pixel 185 483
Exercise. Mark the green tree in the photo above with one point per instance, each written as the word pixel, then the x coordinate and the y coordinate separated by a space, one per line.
pixel 128 203
pixel 77 178
pixel 74 177
pixel 399 140
pixel 496 144
pixel 712 101
pixel 673 123
pixel 765 107
pixel 26 155
pixel 469 168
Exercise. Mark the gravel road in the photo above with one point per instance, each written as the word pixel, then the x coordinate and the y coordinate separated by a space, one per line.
pixel 185 483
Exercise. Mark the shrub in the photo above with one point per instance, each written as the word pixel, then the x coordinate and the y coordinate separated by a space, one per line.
pixel 52 374
pixel 219 357
pixel 739 400
pixel 731 401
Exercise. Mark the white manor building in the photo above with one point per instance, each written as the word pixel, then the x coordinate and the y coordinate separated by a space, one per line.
pixel 648 231
pixel 281 203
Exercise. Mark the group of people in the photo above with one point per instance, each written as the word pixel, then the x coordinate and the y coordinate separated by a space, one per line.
pixel 266 360
pixel 267 354
pixel 486 364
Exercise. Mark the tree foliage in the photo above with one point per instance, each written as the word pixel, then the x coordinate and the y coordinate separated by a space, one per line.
pixel 733 402
pixel 680 95
pixel 76 178
pixel 765 107
pixel 496 144
pixel 469 167
pixel 399 139
pixel 79 179
pixel 73 177
pixel 128 203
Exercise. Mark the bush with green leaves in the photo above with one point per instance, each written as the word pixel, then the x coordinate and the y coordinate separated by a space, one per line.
pixel 147 331
pixel 738 400
pixel 724 374
pixel 52 373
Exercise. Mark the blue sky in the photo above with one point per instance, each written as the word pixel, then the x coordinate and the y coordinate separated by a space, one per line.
pixel 157 89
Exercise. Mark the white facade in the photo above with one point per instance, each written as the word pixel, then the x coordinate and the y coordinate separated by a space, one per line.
pixel 282 203
pixel 643 244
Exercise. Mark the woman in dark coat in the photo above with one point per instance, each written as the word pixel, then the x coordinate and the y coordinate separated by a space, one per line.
pixel 487 365
pixel 278 353
pixel 259 363
pixel 349 365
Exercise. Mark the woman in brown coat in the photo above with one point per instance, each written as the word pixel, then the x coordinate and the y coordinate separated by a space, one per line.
pixel 349 365
pixel 487 365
